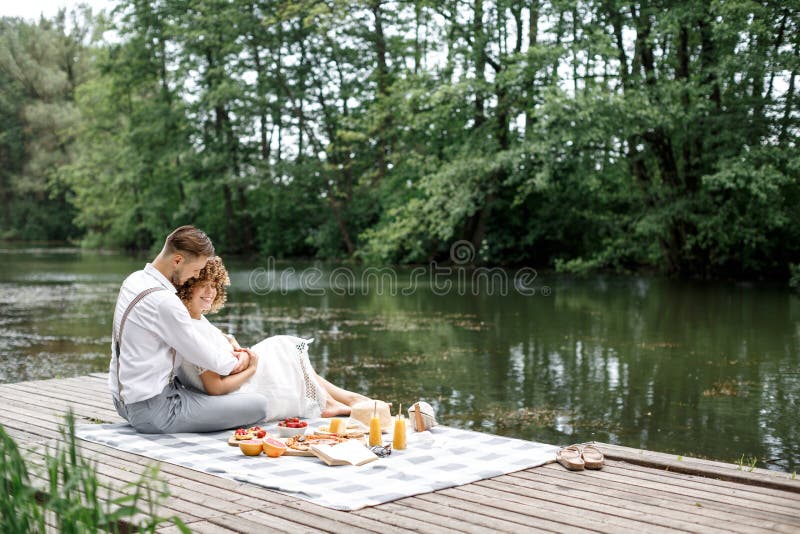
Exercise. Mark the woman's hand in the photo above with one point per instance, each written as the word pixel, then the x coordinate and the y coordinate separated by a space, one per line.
pixel 253 356
pixel 250 356
pixel 244 361
pixel 253 359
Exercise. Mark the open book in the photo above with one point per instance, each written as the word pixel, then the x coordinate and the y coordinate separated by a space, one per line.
pixel 351 452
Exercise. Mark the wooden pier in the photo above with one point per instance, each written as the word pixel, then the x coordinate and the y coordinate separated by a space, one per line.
pixel 637 491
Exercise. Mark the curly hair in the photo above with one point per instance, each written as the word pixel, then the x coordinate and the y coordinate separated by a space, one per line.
pixel 214 272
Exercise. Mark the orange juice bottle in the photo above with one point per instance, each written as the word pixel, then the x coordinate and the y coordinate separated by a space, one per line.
pixel 399 438
pixel 375 428
pixel 335 425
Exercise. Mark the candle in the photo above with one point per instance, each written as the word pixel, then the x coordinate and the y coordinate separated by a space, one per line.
pixel 375 428
pixel 399 438
pixel 335 425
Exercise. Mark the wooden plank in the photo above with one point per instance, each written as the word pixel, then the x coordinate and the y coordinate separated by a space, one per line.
pixel 58 405
pixel 697 466
pixel 298 518
pixel 432 518
pixel 347 519
pixel 38 423
pixel 535 511
pixel 63 387
pixel 627 507
pixel 443 506
pixel 89 383
pixel 21 437
pixel 657 456
pixel 401 521
pixel 708 481
pixel 276 521
pixel 265 521
pixel 32 391
pixel 484 509
pixel 700 495
pixel 243 525
pixel 45 423
pixel 712 513
pixel 67 390
pixel 787 504
pixel 201 527
pixel 636 519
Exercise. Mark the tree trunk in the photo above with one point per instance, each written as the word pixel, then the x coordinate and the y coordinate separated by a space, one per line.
pixel 786 120
pixel 690 177
pixel 383 91
pixel 264 147
pixel 479 57
pixel 533 32
pixel 516 12
pixel 417 45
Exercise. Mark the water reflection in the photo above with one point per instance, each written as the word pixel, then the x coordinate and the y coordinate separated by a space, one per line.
pixel 698 369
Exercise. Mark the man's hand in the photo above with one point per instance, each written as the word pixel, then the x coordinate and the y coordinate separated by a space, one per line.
pixel 244 361
pixel 250 352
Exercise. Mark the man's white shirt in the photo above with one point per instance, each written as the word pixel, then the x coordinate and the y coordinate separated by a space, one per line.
pixel 159 322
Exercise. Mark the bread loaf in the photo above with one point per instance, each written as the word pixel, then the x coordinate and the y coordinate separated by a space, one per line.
pixel 426 418
pixel 362 412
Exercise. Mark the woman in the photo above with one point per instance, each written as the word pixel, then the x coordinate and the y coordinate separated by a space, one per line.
pixel 281 370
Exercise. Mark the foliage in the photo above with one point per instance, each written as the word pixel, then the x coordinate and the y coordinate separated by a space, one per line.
pixel 577 135
pixel 71 492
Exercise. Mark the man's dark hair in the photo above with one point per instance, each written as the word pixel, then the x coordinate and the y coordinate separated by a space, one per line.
pixel 189 241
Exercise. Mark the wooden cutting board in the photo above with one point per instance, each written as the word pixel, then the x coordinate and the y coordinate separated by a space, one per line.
pixel 233 442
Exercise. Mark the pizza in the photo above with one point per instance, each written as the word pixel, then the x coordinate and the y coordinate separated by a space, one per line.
pixel 303 443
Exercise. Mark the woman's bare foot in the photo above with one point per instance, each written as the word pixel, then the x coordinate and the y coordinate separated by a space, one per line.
pixel 334 408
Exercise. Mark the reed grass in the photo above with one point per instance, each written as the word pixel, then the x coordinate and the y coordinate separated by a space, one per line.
pixel 750 463
pixel 68 492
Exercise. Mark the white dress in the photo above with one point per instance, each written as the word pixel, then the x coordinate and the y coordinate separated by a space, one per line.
pixel 284 374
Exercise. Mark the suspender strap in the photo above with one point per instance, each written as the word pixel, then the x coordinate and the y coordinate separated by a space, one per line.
pixel 118 335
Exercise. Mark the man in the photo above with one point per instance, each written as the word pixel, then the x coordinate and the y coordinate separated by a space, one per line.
pixel 150 325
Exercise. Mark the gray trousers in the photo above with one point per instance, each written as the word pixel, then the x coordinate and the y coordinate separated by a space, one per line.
pixel 181 409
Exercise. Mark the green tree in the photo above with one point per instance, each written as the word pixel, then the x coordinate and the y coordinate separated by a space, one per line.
pixel 41 66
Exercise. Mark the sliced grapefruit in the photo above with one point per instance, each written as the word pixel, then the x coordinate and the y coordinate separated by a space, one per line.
pixel 272 447
pixel 251 447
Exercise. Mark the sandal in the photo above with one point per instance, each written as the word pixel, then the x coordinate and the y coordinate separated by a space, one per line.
pixel 570 457
pixel 592 457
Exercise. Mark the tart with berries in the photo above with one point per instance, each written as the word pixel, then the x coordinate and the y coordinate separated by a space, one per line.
pixel 243 434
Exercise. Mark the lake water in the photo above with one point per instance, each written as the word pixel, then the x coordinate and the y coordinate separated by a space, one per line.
pixel 692 368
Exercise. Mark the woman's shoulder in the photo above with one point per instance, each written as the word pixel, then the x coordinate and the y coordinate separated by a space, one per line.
pixel 205 324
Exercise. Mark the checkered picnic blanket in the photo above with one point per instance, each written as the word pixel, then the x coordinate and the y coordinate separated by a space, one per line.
pixel 440 458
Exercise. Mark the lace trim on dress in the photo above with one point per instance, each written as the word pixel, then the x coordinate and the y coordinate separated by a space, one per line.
pixel 311 386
